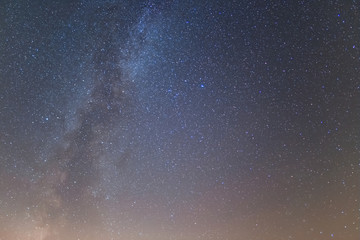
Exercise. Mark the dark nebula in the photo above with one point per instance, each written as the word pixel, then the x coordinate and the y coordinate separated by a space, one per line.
pixel 161 120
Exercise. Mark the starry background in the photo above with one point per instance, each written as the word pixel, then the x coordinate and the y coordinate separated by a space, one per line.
pixel 179 120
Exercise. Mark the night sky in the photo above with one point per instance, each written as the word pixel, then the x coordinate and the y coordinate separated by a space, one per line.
pixel 179 120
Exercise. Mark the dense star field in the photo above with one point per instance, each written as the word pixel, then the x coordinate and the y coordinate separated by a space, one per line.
pixel 179 120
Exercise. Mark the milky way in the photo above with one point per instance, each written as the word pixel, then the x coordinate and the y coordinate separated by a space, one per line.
pixel 179 120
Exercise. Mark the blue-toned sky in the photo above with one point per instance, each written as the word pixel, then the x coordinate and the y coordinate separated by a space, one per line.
pixel 179 120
